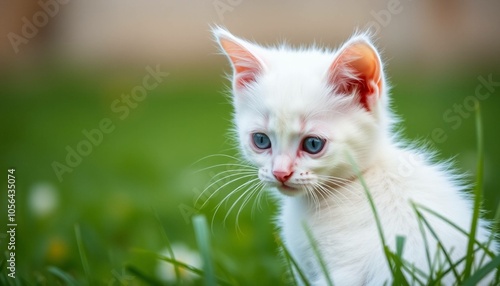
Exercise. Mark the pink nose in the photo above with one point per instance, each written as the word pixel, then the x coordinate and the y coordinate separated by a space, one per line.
pixel 282 176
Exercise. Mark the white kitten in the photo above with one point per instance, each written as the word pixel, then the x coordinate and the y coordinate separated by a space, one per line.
pixel 298 113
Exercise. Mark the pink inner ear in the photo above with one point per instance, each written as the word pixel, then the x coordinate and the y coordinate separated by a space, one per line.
pixel 246 66
pixel 357 69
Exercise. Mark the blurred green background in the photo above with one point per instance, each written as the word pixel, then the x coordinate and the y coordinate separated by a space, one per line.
pixel 144 177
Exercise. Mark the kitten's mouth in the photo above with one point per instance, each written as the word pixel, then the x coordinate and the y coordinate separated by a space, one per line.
pixel 288 190
pixel 286 187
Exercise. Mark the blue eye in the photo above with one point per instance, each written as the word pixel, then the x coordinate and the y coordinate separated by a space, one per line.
pixel 313 145
pixel 261 141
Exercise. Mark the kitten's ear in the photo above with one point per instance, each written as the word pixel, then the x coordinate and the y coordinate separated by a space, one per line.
pixel 357 69
pixel 247 65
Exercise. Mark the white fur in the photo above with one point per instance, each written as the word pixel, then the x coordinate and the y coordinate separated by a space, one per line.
pixel 291 98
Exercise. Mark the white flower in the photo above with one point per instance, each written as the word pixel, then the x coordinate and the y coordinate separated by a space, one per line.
pixel 165 271
pixel 43 199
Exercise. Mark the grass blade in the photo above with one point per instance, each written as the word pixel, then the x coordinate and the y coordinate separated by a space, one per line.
pixel 203 241
pixel 289 257
pixel 399 278
pixel 179 264
pixel 374 211
pixel 317 253
pixel 426 244
pixel 65 277
pixel 137 273
pixel 439 243
pixel 289 268
pixel 83 256
pixel 400 243
pixel 482 272
pixel 192 269
pixel 169 246
pixel 478 191
pixel 494 231
pixel 413 271
pixel 481 245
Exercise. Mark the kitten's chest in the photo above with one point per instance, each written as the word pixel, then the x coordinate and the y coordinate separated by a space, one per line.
pixel 337 226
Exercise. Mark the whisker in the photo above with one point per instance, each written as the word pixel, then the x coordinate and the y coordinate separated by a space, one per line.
pixel 336 193
pixel 239 198
pixel 323 192
pixel 227 183
pixel 339 183
pixel 350 189
pixel 218 155
pixel 258 198
pixel 255 189
pixel 333 192
pixel 246 173
pixel 230 194
pixel 339 179
pixel 249 167
pixel 310 192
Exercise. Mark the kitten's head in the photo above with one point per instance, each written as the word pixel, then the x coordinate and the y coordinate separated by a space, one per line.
pixel 298 113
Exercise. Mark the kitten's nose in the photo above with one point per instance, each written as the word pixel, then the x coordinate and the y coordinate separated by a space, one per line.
pixel 282 176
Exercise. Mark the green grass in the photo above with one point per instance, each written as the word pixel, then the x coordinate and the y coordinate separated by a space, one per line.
pixel 147 163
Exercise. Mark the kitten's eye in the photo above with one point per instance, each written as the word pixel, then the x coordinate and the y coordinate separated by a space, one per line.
pixel 261 141
pixel 313 145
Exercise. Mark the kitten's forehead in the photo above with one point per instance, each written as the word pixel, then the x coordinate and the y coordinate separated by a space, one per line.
pixel 286 123
pixel 293 96
pixel 295 80
pixel 289 108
